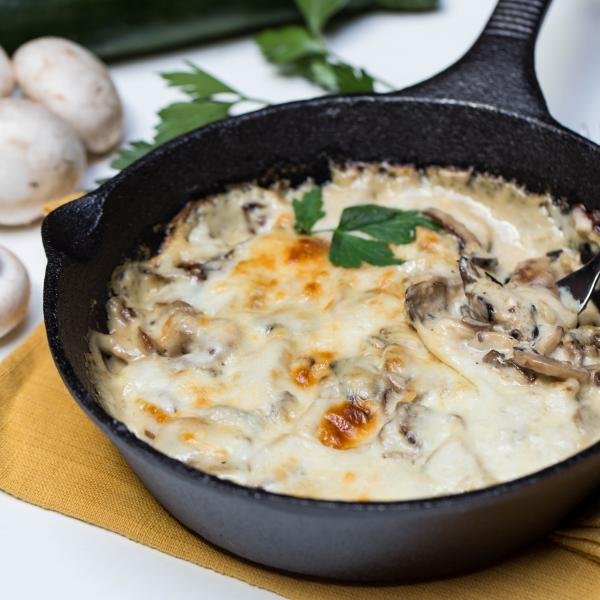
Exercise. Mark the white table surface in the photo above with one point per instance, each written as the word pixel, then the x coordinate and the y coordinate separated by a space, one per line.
pixel 43 554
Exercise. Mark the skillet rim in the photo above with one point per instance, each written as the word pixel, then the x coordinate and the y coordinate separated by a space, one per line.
pixel 112 427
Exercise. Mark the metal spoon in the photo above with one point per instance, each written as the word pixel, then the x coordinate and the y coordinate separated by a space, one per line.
pixel 581 283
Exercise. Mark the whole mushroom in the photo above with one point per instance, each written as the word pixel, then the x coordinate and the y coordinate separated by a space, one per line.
pixel 7 81
pixel 41 158
pixel 71 82
pixel 14 291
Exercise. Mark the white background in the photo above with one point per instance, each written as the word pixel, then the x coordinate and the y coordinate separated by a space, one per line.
pixel 43 554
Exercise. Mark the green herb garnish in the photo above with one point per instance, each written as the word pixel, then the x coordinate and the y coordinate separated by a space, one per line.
pixel 308 211
pixel 302 51
pixel 383 225
pixel 206 104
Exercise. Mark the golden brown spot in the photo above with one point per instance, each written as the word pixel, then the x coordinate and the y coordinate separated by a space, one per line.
pixel 301 375
pixel 346 425
pixel 307 249
pixel 310 370
pixel 251 265
pixel 394 363
pixel 200 395
pixel 160 416
pixel 426 238
pixel 201 398
pixel 312 289
pixel 349 477
pixel 188 437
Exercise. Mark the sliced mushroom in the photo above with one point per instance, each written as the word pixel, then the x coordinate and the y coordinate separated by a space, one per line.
pixel 574 349
pixel 427 298
pixel 126 348
pixel 554 254
pixel 479 310
pixel 489 263
pixel 497 359
pixel 450 224
pixel 509 307
pixel 201 270
pixel 184 331
pixel 485 340
pixel 549 339
pixel 469 273
pixel 549 366
pixel 178 330
pixel 416 432
pixel 255 215
pixel 536 271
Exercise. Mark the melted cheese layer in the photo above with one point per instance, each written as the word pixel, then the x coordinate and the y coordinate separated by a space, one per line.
pixel 242 351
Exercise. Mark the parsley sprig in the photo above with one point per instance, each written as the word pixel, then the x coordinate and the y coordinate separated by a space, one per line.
pixel 303 51
pixel 209 99
pixel 381 224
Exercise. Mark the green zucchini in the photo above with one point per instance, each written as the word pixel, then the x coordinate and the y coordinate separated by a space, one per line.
pixel 118 28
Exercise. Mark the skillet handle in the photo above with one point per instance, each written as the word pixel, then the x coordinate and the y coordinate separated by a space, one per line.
pixel 73 228
pixel 498 70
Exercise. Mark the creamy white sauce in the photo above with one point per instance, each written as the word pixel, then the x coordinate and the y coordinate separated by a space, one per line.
pixel 241 350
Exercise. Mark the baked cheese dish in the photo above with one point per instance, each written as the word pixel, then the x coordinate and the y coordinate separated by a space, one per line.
pixel 392 334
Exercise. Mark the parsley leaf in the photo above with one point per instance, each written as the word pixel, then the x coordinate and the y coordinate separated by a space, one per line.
pixel 288 44
pixel 400 228
pixel 129 154
pixel 197 83
pixel 317 12
pixel 350 251
pixel 389 225
pixel 339 76
pixel 308 211
pixel 359 215
pixel 180 117
pixel 302 51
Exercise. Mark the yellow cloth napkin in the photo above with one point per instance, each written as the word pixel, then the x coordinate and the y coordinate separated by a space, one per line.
pixel 51 455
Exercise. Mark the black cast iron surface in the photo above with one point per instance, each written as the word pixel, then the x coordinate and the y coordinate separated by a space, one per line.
pixel 485 112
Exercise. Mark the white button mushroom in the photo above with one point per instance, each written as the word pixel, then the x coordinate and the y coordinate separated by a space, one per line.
pixel 7 81
pixel 14 291
pixel 41 158
pixel 75 85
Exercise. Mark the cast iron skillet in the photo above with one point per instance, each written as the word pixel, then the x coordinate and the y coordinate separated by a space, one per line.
pixel 485 112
